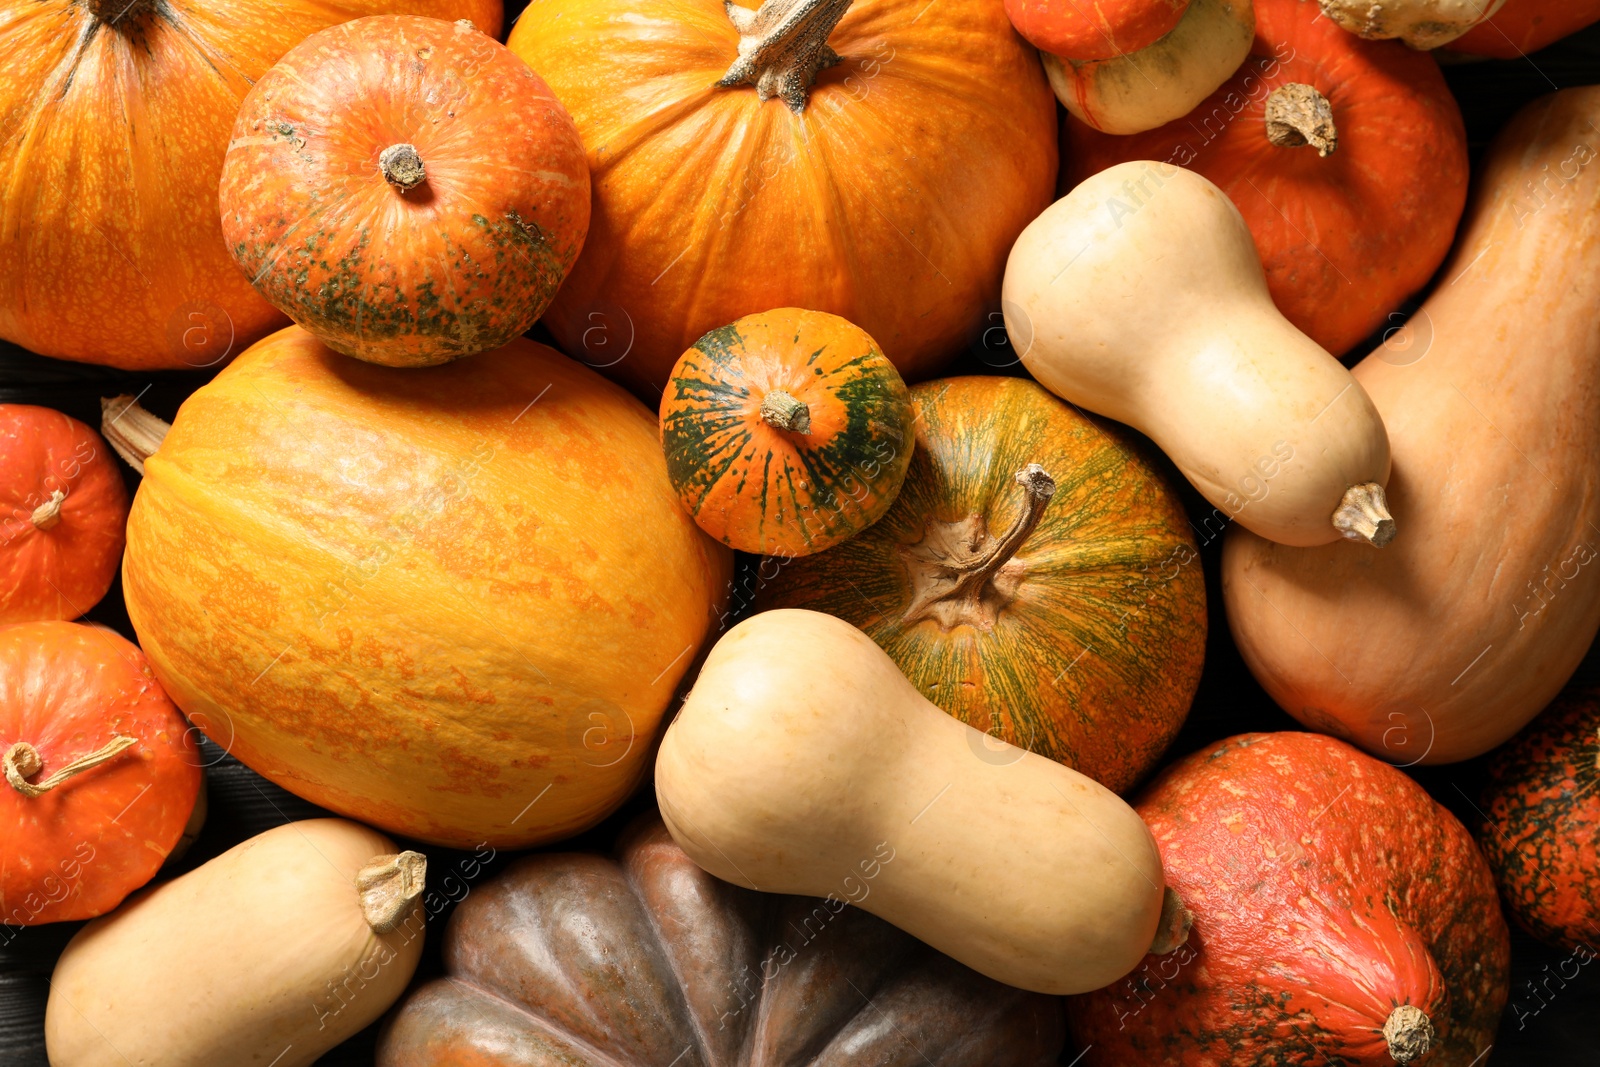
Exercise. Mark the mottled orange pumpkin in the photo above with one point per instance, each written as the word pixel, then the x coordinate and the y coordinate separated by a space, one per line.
pixel 405 189
pixel 1099 29
pixel 786 432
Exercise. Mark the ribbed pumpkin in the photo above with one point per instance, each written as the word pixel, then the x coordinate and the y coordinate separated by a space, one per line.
pixel 1541 825
pixel 786 432
pixel 1524 26
pixel 1094 31
pixel 116 114
pixel 100 772
pixel 62 511
pixel 405 189
pixel 452 602
pixel 1341 916
pixel 1347 158
pixel 888 193
pixel 1035 578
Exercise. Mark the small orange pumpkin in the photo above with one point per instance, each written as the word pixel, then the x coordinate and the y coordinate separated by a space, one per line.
pixel 405 189
pixel 786 432
pixel 1100 30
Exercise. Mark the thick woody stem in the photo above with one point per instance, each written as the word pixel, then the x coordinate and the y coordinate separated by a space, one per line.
pixel 48 514
pixel 782 47
pixel 389 886
pixel 1363 515
pixel 132 431
pixel 402 167
pixel 781 411
pixel 1409 1033
pixel 1299 115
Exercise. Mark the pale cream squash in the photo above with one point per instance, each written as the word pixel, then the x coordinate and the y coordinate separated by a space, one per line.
pixel 1419 23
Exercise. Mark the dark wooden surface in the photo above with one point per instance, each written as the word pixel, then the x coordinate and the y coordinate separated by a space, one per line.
pixel 1558 1027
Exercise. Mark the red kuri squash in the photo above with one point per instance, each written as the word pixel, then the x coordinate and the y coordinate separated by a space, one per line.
pixel 1098 30
pixel 873 160
pixel 1347 158
pixel 1341 916
pixel 115 116
pixel 101 773
pixel 405 189
pixel 62 511
pixel 1524 26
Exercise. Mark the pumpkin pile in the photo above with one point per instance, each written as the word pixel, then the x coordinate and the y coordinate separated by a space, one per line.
pixel 594 408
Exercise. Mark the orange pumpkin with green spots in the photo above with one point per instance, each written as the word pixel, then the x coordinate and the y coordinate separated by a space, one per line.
pixel 1035 578
pixel 786 432
pixel 405 189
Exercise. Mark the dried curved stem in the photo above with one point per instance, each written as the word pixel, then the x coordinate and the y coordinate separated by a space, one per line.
pixel 782 46
pixel 1299 115
pixel 22 761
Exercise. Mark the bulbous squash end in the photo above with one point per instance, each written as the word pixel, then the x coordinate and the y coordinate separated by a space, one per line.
pixel 1363 515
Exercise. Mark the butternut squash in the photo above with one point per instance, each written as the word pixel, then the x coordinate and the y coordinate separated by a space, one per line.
pixel 1419 23
pixel 804 762
pixel 1443 646
pixel 1140 296
pixel 272 953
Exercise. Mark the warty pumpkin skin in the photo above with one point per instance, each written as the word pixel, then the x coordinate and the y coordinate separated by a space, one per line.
pixel 1084 641
pixel 452 602
pixel 647 960
pixel 116 115
pixel 1350 220
pixel 890 199
pixel 1327 890
pixel 1526 26
pixel 1443 645
pixel 405 189
pixel 1541 816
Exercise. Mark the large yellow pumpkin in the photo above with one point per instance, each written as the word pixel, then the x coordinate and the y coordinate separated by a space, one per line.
pixel 452 602
pixel 874 160
pixel 114 116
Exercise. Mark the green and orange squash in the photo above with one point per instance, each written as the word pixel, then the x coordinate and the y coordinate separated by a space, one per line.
pixel 405 189
pixel 1035 578
pixel 786 432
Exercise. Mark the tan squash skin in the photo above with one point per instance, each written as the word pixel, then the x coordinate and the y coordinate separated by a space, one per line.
pixel 1419 23
pixel 804 762
pixel 1447 642
pixel 261 956
pixel 1140 296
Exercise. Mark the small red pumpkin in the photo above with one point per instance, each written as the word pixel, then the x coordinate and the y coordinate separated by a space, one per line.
pixel 406 189
pixel 1341 916
pixel 1524 26
pixel 1347 158
pixel 1541 826
pixel 1099 30
pixel 63 509
pixel 101 774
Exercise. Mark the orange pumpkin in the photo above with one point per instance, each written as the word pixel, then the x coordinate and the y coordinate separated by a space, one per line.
pixel 1524 26
pixel 405 189
pixel 786 433
pixel 1098 30
pixel 62 511
pixel 116 114
pixel 888 193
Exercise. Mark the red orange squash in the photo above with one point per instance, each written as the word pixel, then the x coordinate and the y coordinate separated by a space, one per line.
pixel 1094 31
pixel 405 189
pixel 1524 26
pixel 115 116
pixel 62 511
pixel 1340 916
pixel 100 772
pixel 1347 158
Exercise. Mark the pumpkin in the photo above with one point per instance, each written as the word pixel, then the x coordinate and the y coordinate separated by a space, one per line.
pixel 1347 159
pixel 1064 28
pixel 1065 614
pixel 578 959
pixel 405 189
pixel 1526 26
pixel 1540 812
pixel 786 433
pixel 117 115
pixel 802 761
pixel 271 953
pixel 452 602
pixel 1140 291
pixel 64 506
pixel 1420 24
pixel 1444 645
pixel 101 774
pixel 856 159
pixel 1340 916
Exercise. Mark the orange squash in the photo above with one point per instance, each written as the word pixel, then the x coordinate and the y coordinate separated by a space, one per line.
pixel 1524 26
pixel 452 602
pixel 873 160
pixel 62 511
pixel 405 189
pixel 115 116
pixel 786 433
pixel 1094 31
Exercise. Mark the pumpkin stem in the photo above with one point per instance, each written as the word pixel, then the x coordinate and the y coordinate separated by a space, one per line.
pixel 112 12
pixel 22 761
pixel 132 431
pixel 781 411
pixel 1363 515
pixel 1299 115
pixel 1176 922
pixel 782 46
pixel 402 167
pixel 1409 1033
pixel 46 515
pixel 389 885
